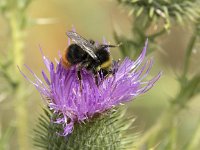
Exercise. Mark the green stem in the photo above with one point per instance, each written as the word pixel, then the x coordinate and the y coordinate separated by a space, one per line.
pixel 17 38
pixel 22 118
pixel 159 33
pixel 188 54
pixel 6 136
pixel 17 55
pixel 194 144
pixel 173 134
pixel 164 122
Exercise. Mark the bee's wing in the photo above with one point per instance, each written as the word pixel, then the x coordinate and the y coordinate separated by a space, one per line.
pixel 83 43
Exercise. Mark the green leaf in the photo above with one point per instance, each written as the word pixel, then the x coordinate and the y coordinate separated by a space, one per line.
pixel 151 12
pixel 139 12
pixel 179 18
pixel 178 7
pixel 131 12
pixel 134 1
pixel 150 1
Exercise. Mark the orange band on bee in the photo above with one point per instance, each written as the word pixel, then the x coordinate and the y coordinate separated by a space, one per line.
pixel 66 64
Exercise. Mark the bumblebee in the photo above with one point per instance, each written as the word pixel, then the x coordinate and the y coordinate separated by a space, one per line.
pixel 86 54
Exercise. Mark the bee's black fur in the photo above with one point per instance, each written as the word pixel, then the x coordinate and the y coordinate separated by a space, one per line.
pixel 76 55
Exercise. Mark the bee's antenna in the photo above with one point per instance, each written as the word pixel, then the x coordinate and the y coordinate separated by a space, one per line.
pixel 118 45
pixel 106 46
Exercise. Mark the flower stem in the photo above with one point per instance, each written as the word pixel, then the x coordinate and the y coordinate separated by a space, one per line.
pixel 194 143
pixel 164 122
pixel 22 119
pixel 168 116
pixel 157 34
pixel 17 56
pixel 188 54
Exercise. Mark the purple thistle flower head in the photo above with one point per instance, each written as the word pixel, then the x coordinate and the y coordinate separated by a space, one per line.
pixel 79 102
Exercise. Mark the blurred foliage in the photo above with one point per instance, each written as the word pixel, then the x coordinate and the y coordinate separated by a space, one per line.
pixel 159 14
pixel 168 10
pixel 6 137
pixel 165 14
pixel 14 13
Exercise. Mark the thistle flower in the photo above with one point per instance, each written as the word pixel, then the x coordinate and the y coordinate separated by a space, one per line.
pixel 75 104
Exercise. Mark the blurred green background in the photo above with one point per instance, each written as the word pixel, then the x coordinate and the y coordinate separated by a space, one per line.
pixel 48 21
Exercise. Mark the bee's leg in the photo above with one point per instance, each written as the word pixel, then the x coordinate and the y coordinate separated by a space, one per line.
pixel 80 78
pixel 109 73
pixel 105 74
pixel 79 75
pixel 96 77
